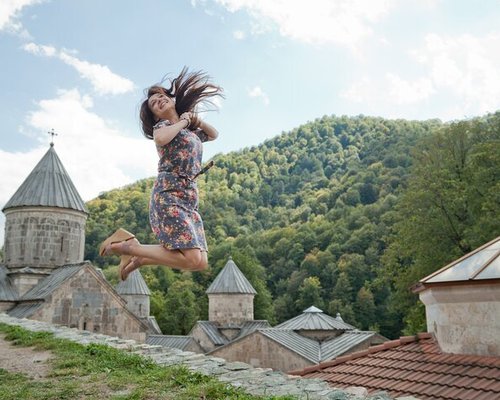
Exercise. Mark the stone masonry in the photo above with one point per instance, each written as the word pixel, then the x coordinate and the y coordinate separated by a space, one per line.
pixel 257 381
pixel 43 237
pixel 230 308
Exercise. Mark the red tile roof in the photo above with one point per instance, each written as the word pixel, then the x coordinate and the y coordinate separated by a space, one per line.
pixel 413 365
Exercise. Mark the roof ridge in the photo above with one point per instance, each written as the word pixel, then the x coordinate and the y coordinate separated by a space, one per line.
pixel 288 346
pixel 230 280
pixel 371 350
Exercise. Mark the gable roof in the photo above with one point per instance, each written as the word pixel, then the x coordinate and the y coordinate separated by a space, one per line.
pixel 33 299
pixel 25 310
pixel 310 349
pixel 303 346
pixel 413 365
pixel 342 344
pixel 47 185
pixel 480 264
pixel 152 324
pixel 133 285
pixel 230 281
pixel 7 291
pixel 47 285
pixel 314 319
pixel 251 326
pixel 212 332
pixel 173 341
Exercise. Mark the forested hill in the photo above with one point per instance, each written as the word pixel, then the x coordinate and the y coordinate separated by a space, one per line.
pixel 315 217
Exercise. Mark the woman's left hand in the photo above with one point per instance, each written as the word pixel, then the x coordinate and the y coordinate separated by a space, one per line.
pixel 195 121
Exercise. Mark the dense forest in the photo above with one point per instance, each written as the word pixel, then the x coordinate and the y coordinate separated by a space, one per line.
pixel 344 213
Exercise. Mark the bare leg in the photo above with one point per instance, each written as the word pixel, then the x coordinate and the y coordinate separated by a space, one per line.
pixel 137 262
pixel 185 259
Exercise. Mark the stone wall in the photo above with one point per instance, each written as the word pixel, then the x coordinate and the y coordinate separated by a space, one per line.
pixel 258 350
pixel 25 281
pixel 139 304
pixel 230 309
pixel 201 337
pixel 44 237
pixel 87 302
pixel 256 381
pixel 464 319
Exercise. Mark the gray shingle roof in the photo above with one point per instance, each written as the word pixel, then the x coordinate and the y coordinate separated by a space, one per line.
pixel 135 284
pixel 251 326
pixel 311 349
pixel 482 263
pixel 314 319
pixel 176 342
pixel 231 280
pixel 343 343
pixel 212 331
pixel 151 322
pixel 25 310
pixel 7 291
pixel 47 285
pixel 306 347
pixel 47 185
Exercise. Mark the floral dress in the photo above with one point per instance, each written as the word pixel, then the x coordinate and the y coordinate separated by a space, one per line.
pixel 173 209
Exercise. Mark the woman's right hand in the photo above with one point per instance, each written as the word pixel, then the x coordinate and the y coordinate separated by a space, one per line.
pixel 187 116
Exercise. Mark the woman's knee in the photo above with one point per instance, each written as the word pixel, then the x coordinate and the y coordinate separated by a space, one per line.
pixel 203 264
pixel 196 260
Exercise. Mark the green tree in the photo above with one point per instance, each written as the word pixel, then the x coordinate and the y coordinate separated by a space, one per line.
pixel 345 311
pixel 157 309
pixel 310 294
pixel 450 207
pixel 364 308
pixel 343 289
pixel 181 308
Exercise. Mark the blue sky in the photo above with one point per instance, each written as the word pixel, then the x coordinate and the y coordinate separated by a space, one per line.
pixel 81 66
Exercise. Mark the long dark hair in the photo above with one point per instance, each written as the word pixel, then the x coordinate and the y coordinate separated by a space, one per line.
pixel 189 89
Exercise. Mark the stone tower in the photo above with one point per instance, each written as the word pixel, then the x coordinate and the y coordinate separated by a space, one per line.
pixel 136 293
pixel 462 302
pixel 230 297
pixel 44 224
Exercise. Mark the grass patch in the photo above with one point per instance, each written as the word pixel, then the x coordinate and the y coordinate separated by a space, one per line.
pixel 97 371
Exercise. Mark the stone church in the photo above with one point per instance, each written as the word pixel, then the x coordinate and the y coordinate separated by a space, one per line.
pixel 232 333
pixel 43 275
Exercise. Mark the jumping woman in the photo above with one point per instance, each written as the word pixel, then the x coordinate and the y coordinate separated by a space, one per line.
pixel 169 117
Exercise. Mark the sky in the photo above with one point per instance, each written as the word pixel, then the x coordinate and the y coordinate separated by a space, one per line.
pixel 80 67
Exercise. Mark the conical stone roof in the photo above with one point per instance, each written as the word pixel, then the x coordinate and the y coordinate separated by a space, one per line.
pixel 48 185
pixel 314 319
pixel 231 280
pixel 134 285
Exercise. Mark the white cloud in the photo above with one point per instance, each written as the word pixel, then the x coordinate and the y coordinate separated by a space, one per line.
pixel 10 11
pixel 257 92
pixel 239 35
pixel 406 92
pixel 103 80
pixel 461 70
pixel 466 66
pixel 360 91
pixel 40 50
pixel 342 22
pixel 97 156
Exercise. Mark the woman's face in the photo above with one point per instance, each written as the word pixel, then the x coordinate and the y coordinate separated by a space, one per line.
pixel 161 105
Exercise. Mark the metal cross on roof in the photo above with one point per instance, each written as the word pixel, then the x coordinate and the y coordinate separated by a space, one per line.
pixel 52 133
